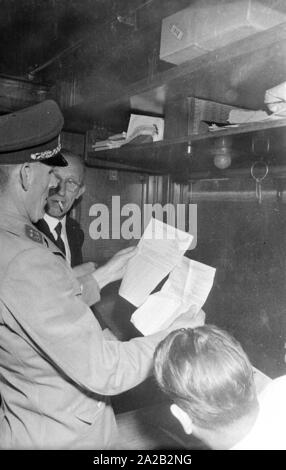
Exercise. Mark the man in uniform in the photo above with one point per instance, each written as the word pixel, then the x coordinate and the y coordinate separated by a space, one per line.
pixel 57 370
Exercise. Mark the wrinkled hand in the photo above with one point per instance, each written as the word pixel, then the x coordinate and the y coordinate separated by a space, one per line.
pixel 189 319
pixel 115 268
pixel 84 269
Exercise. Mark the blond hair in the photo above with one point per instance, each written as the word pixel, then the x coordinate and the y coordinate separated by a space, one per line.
pixel 206 372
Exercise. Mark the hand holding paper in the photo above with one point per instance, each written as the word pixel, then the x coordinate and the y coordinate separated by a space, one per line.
pixel 84 269
pixel 115 268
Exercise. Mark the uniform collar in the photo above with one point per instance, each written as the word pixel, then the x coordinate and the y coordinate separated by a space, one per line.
pixel 22 227
pixel 14 223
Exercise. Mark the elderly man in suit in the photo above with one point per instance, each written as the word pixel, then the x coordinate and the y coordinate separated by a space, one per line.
pixel 57 370
pixel 62 229
pixel 57 224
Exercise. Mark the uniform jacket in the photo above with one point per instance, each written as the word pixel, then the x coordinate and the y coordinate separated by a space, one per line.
pixel 75 238
pixel 56 368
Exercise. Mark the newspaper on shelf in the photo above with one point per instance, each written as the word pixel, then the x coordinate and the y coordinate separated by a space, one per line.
pixel 112 142
pixel 145 125
pixel 275 99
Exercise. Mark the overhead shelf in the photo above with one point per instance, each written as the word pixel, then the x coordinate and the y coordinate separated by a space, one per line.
pixel 193 155
pixel 237 74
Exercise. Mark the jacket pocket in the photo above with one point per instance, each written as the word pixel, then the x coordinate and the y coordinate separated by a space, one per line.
pixel 88 416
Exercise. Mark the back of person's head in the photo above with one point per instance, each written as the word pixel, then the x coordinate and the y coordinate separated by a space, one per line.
pixel 207 374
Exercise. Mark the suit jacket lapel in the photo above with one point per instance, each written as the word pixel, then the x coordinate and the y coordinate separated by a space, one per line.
pixel 74 235
pixel 43 227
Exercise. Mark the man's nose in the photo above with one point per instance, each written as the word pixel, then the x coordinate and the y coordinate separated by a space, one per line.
pixel 53 181
pixel 61 188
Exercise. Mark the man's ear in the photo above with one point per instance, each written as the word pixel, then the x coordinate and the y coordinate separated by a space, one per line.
pixel 81 191
pixel 25 176
pixel 183 417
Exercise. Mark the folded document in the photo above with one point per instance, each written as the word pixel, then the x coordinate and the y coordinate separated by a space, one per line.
pixel 188 287
pixel 161 248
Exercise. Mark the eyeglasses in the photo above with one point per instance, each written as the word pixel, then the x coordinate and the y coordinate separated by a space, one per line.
pixel 70 185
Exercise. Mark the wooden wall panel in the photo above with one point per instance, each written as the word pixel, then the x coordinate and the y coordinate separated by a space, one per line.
pixel 100 189
pixel 74 142
pixel 246 243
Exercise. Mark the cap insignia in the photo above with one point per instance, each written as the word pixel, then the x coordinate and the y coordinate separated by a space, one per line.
pixel 47 153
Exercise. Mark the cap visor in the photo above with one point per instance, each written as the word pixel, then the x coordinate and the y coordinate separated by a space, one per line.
pixel 56 160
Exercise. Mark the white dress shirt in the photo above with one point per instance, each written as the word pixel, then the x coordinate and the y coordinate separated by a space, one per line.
pixel 268 432
pixel 52 223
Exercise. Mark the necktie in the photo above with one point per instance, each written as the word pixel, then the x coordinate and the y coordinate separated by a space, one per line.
pixel 59 241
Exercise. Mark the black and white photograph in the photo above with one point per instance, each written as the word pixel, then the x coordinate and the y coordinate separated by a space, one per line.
pixel 142 228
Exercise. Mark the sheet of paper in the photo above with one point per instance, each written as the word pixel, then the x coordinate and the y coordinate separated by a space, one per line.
pixel 145 125
pixel 188 287
pixel 191 282
pixel 156 313
pixel 160 249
